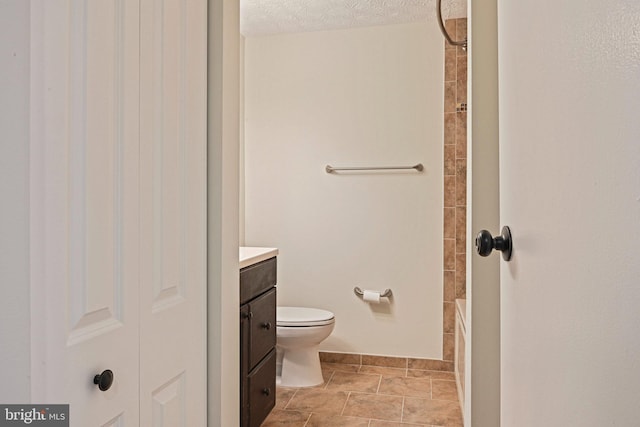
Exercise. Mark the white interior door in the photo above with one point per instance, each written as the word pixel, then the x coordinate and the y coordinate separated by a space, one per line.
pixel 84 205
pixel 118 165
pixel 570 191
pixel 173 213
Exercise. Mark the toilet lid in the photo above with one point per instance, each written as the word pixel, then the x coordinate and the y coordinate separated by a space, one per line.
pixel 303 316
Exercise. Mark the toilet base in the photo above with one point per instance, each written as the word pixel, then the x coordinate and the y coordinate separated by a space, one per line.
pixel 300 367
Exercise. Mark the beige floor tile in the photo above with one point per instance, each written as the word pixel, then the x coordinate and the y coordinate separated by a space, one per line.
pixel 431 412
pixel 321 401
pixel 283 395
pixel 279 418
pixel 324 420
pixel 377 423
pixel 444 390
pixel 326 376
pixel 377 406
pixel 349 381
pixel 405 386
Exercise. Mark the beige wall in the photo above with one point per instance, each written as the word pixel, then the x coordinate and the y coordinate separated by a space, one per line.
pixel 369 96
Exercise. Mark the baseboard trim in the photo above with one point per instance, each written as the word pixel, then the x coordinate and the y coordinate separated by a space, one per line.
pixel 387 361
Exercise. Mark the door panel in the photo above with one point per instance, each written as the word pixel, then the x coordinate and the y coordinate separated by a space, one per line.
pixel 84 161
pixel 118 209
pixel 570 171
pixel 173 203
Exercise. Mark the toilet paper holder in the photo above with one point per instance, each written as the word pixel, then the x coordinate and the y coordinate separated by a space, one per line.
pixel 384 294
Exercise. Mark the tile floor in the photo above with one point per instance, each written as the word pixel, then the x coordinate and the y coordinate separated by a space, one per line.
pixel 370 396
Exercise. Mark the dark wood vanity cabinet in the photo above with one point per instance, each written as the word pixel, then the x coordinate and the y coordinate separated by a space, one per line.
pixel 257 342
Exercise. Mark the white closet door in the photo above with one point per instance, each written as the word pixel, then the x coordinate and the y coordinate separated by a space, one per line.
pixel 84 204
pixel 172 208
pixel 118 205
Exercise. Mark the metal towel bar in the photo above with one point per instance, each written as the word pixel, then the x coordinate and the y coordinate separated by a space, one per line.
pixel 331 169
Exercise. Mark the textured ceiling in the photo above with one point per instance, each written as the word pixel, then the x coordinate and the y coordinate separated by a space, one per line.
pixel 261 17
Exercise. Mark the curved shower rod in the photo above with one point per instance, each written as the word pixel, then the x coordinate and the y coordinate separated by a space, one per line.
pixel 446 35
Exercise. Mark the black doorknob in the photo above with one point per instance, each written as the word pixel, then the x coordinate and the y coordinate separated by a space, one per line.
pixel 266 325
pixel 104 380
pixel 485 243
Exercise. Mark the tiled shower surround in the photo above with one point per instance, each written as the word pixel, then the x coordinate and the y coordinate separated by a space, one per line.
pixel 455 180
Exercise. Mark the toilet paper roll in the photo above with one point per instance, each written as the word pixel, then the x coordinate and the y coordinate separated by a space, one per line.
pixel 371 296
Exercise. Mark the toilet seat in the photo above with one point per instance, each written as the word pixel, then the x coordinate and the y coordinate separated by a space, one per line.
pixel 303 317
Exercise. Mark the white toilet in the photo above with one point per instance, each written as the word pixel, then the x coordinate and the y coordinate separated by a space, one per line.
pixel 299 331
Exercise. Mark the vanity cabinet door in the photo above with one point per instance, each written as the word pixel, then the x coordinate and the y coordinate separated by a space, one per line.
pixel 257 278
pixel 262 389
pixel 263 326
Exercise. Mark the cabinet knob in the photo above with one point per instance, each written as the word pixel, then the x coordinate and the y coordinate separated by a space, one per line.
pixel 266 391
pixel 104 380
pixel 266 325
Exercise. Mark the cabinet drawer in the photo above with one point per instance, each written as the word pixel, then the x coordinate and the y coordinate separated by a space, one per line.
pixel 262 389
pixel 257 278
pixel 263 326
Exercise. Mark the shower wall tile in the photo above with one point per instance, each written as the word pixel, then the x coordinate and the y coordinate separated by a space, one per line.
pixel 448 347
pixel 449 159
pixel 449 310
pixel 449 286
pixel 461 263
pixel 461 229
pixel 455 181
pixel 461 34
pixel 461 182
pixel 449 254
pixel 451 26
pixel 461 68
pixel 461 288
pixel 450 65
pixel 461 31
pixel 450 125
pixel 450 97
pixel 450 223
pixel 460 133
pixel 449 191
pixel 461 90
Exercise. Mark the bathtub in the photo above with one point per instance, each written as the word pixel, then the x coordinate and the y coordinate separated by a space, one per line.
pixel 460 337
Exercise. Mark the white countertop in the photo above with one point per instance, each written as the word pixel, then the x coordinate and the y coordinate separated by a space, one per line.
pixel 251 255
